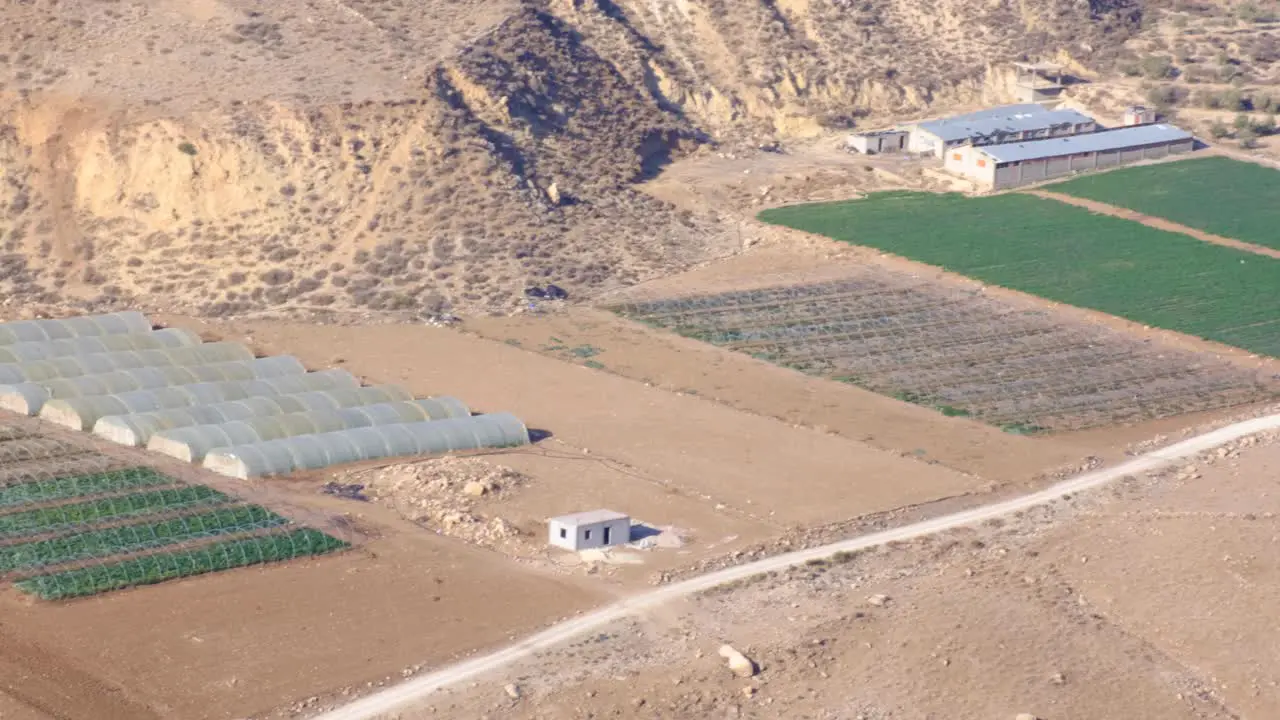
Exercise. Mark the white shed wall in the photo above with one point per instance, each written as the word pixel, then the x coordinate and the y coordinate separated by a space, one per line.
pixel 588 536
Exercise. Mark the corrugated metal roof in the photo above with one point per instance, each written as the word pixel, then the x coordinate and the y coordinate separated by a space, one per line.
pixel 1089 142
pixel 589 517
pixel 1008 118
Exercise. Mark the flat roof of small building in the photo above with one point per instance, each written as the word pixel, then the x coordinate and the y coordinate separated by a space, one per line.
pixel 1008 118
pixel 1101 141
pixel 589 517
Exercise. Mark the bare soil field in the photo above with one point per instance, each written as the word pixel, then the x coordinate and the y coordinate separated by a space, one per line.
pixel 247 641
pixel 1147 599
pixel 701 450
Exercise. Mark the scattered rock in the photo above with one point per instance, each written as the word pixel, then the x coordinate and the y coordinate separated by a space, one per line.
pixel 878 600
pixel 740 664
pixel 440 495
pixel 1058 679
pixel 749 691
pixel 512 690
pixel 1025 716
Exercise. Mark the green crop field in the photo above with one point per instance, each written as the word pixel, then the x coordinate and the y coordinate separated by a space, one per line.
pixel 80 486
pixel 61 517
pixel 134 538
pixel 152 569
pixel 1218 195
pixel 1069 255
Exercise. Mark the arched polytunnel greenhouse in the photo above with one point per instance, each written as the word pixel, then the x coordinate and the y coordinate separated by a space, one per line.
pixel 246 416
pixel 193 443
pixel 97 363
pixel 28 398
pixel 87 325
pixel 82 412
pixel 93 344
pixel 279 457
pixel 136 429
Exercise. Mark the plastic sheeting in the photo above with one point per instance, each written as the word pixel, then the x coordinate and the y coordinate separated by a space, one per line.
pixel 278 457
pixel 194 443
pixel 78 365
pixel 30 397
pixel 84 326
pixel 137 429
pixel 82 412
pixel 45 349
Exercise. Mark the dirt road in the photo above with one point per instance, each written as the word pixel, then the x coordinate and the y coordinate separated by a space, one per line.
pixel 1155 222
pixel 396 697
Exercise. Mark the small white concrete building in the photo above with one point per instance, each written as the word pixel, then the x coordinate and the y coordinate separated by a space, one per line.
pixel 587 530
pixel 880 141
pixel 1139 115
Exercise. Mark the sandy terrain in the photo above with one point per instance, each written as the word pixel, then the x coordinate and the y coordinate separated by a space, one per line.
pixel 244 642
pixel 1147 599
pixel 688 446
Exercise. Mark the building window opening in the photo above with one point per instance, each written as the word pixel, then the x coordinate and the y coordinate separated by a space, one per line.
pixel 586 534
pixel 606 535
pixel 563 533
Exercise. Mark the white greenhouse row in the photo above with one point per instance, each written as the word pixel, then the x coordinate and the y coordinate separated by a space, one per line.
pixel 137 428
pixel 307 452
pixel 76 365
pixel 82 412
pixel 44 350
pixel 121 323
pixel 193 443
pixel 243 416
pixel 29 398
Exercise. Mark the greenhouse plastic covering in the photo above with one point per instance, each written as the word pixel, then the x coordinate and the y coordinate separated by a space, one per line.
pixel 277 457
pixel 30 397
pixel 192 444
pixel 82 412
pixel 136 429
pixel 86 325
pixel 97 363
pixel 45 349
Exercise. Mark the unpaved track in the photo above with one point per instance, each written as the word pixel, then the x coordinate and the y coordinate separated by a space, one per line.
pixel 1151 221
pixel 396 697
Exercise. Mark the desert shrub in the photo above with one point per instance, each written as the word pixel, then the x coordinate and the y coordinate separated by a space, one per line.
pixel 187 148
pixel 276 276
pixel 236 278
pixel 306 285
pixel 1157 67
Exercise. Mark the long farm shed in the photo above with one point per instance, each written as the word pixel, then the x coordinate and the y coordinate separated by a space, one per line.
pixel 1231 198
pixel 1069 255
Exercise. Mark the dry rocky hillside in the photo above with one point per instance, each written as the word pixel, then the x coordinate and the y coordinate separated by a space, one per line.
pixel 224 156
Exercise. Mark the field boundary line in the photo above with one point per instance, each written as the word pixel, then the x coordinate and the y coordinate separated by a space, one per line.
pixel 398 696
pixel 1153 221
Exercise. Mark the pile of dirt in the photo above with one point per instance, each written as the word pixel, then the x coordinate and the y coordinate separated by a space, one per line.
pixel 447 495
